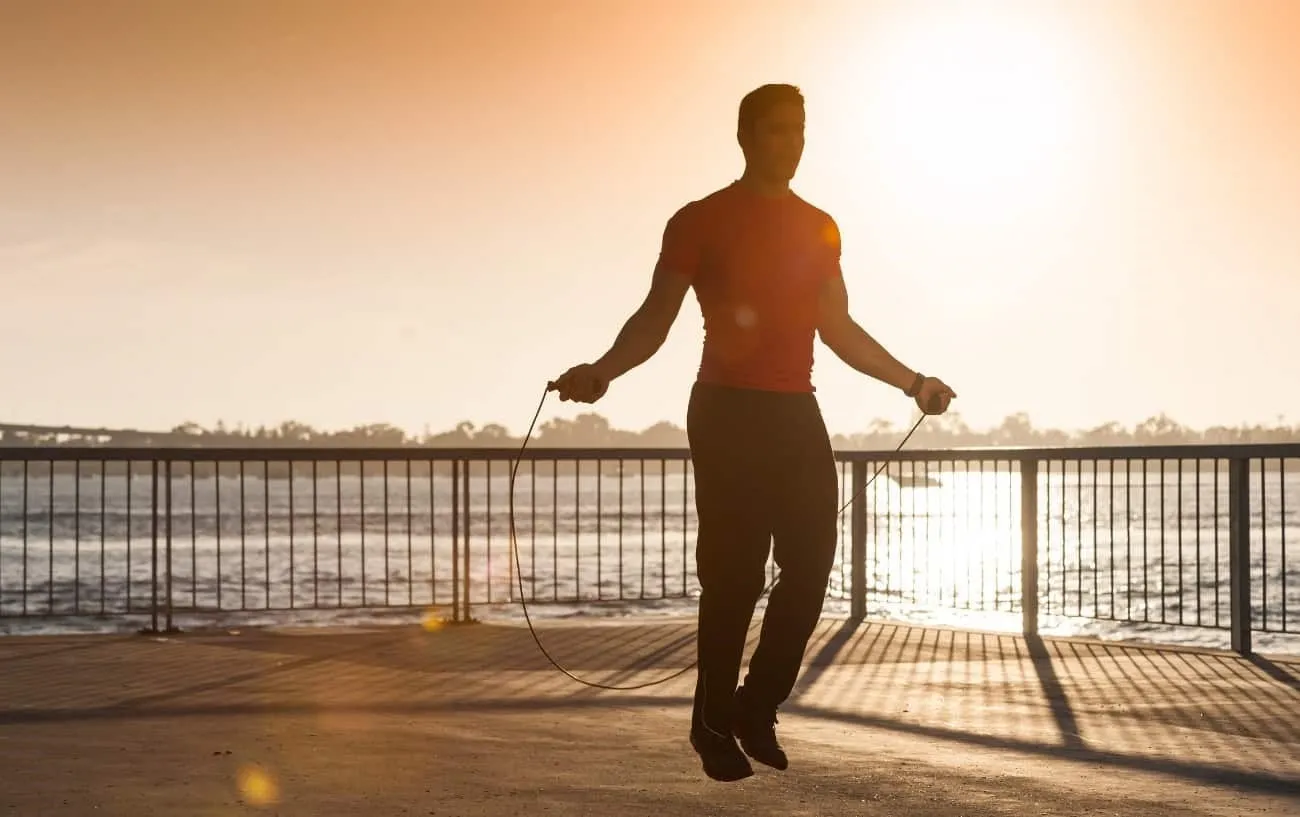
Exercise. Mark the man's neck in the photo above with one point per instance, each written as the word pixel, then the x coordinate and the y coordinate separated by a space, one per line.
pixel 764 187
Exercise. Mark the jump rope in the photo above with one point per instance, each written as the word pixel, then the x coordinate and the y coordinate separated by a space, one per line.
pixel 514 548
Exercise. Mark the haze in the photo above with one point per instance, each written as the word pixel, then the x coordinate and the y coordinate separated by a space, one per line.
pixel 418 213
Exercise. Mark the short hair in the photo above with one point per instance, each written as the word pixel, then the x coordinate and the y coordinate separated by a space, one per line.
pixel 759 101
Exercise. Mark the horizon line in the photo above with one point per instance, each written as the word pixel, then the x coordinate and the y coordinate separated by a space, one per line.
pixel 241 429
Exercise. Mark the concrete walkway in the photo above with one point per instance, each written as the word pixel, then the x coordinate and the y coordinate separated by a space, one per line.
pixel 471 721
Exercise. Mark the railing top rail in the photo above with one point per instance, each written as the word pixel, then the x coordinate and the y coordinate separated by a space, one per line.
pixel 325 453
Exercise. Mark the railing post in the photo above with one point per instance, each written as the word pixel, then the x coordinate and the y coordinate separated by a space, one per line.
pixel 464 552
pixel 167 472
pixel 153 535
pixel 858 543
pixel 455 540
pixel 510 556
pixel 1029 546
pixel 1239 553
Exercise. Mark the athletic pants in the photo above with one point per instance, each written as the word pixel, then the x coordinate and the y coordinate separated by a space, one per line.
pixel 765 482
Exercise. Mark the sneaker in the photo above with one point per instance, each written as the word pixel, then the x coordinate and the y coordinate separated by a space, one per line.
pixel 755 726
pixel 720 755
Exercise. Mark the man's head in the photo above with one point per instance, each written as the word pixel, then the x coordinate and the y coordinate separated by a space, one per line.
pixel 770 131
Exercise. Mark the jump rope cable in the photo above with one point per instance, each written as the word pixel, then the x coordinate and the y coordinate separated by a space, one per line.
pixel 514 548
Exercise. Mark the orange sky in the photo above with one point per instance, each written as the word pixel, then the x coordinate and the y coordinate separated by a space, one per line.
pixel 420 212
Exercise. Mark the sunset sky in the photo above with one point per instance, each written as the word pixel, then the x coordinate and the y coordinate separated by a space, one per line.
pixel 420 212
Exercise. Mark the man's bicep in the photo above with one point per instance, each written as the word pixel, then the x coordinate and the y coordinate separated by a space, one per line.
pixel 668 289
pixel 833 308
pixel 681 249
pixel 831 249
pixel 676 267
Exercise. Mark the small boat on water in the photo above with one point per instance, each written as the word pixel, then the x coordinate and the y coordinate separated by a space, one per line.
pixel 915 480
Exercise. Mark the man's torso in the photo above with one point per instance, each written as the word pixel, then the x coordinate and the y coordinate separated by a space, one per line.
pixel 763 262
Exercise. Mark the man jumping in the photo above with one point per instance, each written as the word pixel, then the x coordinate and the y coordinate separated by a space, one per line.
pixel 765 266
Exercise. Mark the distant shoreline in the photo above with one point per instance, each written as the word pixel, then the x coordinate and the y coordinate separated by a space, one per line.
pixel 594 431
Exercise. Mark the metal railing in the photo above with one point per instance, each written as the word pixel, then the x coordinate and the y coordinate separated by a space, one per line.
pixel 1190 536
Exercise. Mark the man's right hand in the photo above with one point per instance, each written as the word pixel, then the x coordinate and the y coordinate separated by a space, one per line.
pixel 584 383
pixel 934 396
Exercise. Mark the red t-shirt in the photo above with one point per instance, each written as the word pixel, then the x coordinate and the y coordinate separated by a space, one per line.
pixel 757 264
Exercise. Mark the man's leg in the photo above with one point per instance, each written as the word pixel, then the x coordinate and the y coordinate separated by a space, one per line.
pixel 731 551
pixel 805 539
pixel 730 554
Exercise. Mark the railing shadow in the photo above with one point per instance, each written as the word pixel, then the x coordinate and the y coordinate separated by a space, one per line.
pixel 1054 692
pixel 1136 705
pixel 1283 674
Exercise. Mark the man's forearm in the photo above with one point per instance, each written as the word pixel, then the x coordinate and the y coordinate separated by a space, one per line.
pixel 855 347
pixel 636 343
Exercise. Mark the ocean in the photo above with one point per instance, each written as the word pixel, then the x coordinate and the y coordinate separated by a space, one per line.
pixel 1139 554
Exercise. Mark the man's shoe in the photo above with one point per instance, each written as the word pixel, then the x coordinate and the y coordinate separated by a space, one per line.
pixel 755 727
pixel 720 755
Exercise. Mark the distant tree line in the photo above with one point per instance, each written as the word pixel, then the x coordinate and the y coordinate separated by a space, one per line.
pixel 591 430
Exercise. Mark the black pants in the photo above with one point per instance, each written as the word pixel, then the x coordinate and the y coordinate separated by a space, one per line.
pixel 765 481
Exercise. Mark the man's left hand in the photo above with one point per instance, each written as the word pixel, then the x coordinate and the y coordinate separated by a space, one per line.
pixel 934 396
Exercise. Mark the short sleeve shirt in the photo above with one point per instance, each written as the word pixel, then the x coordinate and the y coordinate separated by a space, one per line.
pixel 757 265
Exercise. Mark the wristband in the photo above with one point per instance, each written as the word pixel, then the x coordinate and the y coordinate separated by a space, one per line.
pixel 915 389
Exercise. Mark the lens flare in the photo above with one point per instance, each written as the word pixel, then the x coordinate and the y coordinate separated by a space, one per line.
pixel 431 622
pixel 831 234
pixel 257 786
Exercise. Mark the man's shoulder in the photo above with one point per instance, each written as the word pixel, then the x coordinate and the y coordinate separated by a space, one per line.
pixel 813 211
pixel 717 204
pixel 697 216
pixel 705 203
pixel 821 223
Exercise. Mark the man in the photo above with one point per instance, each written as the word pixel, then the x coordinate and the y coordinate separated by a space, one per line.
pixel 765 266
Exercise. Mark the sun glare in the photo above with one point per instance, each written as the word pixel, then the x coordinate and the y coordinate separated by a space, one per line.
pixel 974 117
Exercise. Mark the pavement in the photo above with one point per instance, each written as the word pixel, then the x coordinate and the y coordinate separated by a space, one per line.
pixel 472 721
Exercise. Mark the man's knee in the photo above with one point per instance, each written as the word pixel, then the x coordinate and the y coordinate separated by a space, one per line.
pixel 735 569
pixel 809 570
pixel 806 553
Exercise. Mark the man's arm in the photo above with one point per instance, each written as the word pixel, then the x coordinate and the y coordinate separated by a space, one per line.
pixel 647 329
pixel 852 344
